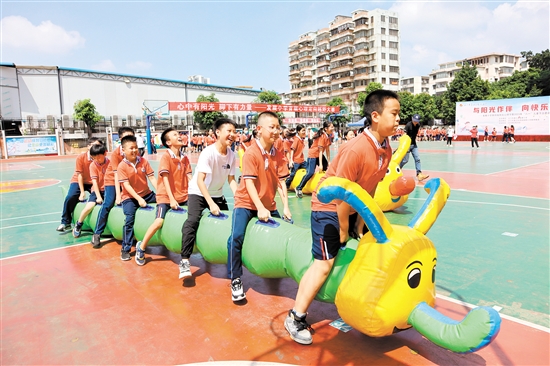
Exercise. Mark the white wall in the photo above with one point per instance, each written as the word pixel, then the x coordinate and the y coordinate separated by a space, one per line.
pixel 10 107
pixel 39 95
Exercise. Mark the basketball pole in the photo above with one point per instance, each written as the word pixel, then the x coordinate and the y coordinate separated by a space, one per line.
pixel 148 132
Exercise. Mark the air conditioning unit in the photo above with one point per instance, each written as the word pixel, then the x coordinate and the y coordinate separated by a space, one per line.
pixel 66 121
pixel 116 121
pixel 131 119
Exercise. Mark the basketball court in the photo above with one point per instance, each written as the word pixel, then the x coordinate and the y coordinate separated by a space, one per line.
pixel 64 302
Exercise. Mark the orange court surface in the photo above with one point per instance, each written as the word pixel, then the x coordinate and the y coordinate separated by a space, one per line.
pixel 63 302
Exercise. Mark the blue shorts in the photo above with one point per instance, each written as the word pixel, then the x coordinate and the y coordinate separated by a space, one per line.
pixel 162 209
pixel 325 232
pixel 93 196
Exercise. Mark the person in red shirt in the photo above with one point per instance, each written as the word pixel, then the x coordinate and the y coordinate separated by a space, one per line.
pixel 112 189
pixel 505 134
pixel 363 160
pixel 80 184
pixel 320 144
pixel 184 140
pixel 289 135
pixel 98 169
pixel 473 131
pixel 133 172
pixel 174 175
pixel 264 171
pixel 296 160
pixel 511 134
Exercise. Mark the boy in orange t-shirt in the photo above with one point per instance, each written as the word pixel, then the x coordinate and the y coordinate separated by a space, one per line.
pixel 264 171
pixel 174 175
pixel 133 172
pixel 363 160
pixel 80 184
pixel 97 173
pixel 296 160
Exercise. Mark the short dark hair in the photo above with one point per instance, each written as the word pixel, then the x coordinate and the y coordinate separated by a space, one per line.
pixel 97 149
pixel 375 102
pixel 223 121
pixel 163 136
pixel 268 113
pixel 300 127
pixel 127 139
pixel 123 130
pixel 93 140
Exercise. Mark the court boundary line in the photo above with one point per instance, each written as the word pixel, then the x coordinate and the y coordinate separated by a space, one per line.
pixel 24 217
pixel 33 223
pixel 443 297
pixel 521 167
pixel 489 203
pixel 504 316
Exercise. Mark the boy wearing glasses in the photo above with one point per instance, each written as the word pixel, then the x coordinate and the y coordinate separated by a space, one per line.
pixel 264 171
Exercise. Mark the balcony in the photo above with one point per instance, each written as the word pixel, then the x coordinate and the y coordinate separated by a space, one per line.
pixel 359 27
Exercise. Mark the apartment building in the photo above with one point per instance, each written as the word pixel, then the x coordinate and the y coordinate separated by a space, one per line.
pixel 342 59
pixel 491 67
pixel 416 84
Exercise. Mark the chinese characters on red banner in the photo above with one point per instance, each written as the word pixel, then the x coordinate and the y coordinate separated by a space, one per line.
pixel 246 107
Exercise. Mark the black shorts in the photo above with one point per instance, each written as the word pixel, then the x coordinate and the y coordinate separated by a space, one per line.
pixel 162 209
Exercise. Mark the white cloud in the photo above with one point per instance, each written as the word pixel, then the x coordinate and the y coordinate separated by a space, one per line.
pixel 18 32
pixel 437 32
pixel 138 66
pixel 105 65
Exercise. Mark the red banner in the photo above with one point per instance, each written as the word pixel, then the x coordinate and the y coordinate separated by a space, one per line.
pixel 247 107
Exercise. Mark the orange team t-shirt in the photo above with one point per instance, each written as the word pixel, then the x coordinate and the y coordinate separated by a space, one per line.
pixel 243 137
pixel 506 130
pixel 474 132
pixel 287 143
pixel 320 142
pixel 358 161
pixel 511 130
pixel 266 169
pixel 97 172
pixel 278 144
pixel 116 157
pixel 177 169
pixel 136 175
pixel 209 140
pixel 83 162
pixel 298 146
pixel 185 139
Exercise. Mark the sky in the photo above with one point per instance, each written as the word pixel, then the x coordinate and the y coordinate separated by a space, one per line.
pixel 236 43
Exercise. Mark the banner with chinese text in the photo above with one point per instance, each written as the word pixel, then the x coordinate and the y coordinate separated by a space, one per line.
pixel 249 107
pixel 529 116
pixel 25 145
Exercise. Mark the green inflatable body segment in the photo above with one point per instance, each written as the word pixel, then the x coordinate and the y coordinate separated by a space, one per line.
pixel 268 252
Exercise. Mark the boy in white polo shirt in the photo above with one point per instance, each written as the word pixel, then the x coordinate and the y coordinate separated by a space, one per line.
pixel 217 163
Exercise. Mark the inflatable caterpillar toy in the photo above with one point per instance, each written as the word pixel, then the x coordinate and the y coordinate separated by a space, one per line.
pixel 383 284
pixel 392 192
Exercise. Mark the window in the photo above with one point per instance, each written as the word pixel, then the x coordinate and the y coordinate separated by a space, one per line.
pixel 393 20
pixel 383 43
pixel 393 57
pixel 372 69
pixel 383 30
pixel 383 80
pixel 383 67
pixel 383 18
pixel 383 56
pixel 393 44
pixel 361 70
pixel 394 32
pixel 394 68
pixel 394 81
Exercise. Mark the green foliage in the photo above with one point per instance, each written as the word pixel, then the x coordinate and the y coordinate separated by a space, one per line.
pixel 341 120
pixel 521 84
pixel 268 97
pixel 446 109
pixel 85 111
pixel 406 99
pixel 466 86
pixel 540 62
pixel 363 95
pixel 206 119
pixel 423 104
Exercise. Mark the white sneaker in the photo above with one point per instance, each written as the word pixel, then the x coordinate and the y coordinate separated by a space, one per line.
pixel 185 269
pixel 237 292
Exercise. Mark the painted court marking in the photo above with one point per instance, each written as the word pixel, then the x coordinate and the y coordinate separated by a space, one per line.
pixel 34 223
pixel 24 217
pixel 519 167
pixel 489 203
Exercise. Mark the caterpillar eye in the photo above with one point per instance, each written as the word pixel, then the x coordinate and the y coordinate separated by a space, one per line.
pixel 388 171
pixel 414 278
pixel 433 275
pixel 398 170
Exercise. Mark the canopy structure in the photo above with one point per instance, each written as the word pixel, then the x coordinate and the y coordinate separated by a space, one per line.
pixel 360 123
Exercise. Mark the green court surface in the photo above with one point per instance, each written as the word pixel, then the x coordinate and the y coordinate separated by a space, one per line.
pixel 493 249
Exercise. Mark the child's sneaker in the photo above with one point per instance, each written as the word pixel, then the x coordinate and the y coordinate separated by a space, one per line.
pixel 299 330
pixel 64 227
pixel 422 177
pixel 124 255
pixel 77 230
pixel 185 269
pixel 96 241
pixel 237 292
pixel 299 193
pixel 140 254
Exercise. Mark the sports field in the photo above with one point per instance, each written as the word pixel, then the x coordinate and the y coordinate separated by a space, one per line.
pixel 64 302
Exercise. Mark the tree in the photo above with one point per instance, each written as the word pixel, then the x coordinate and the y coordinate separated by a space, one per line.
pixel 424 104
pixel 466 86
pixel 339 121
pixel 268 97
pixel 541 62
pixel 406 99
pixel 85 111
pixel 206 119
pixel 363 95
pixel 520 84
